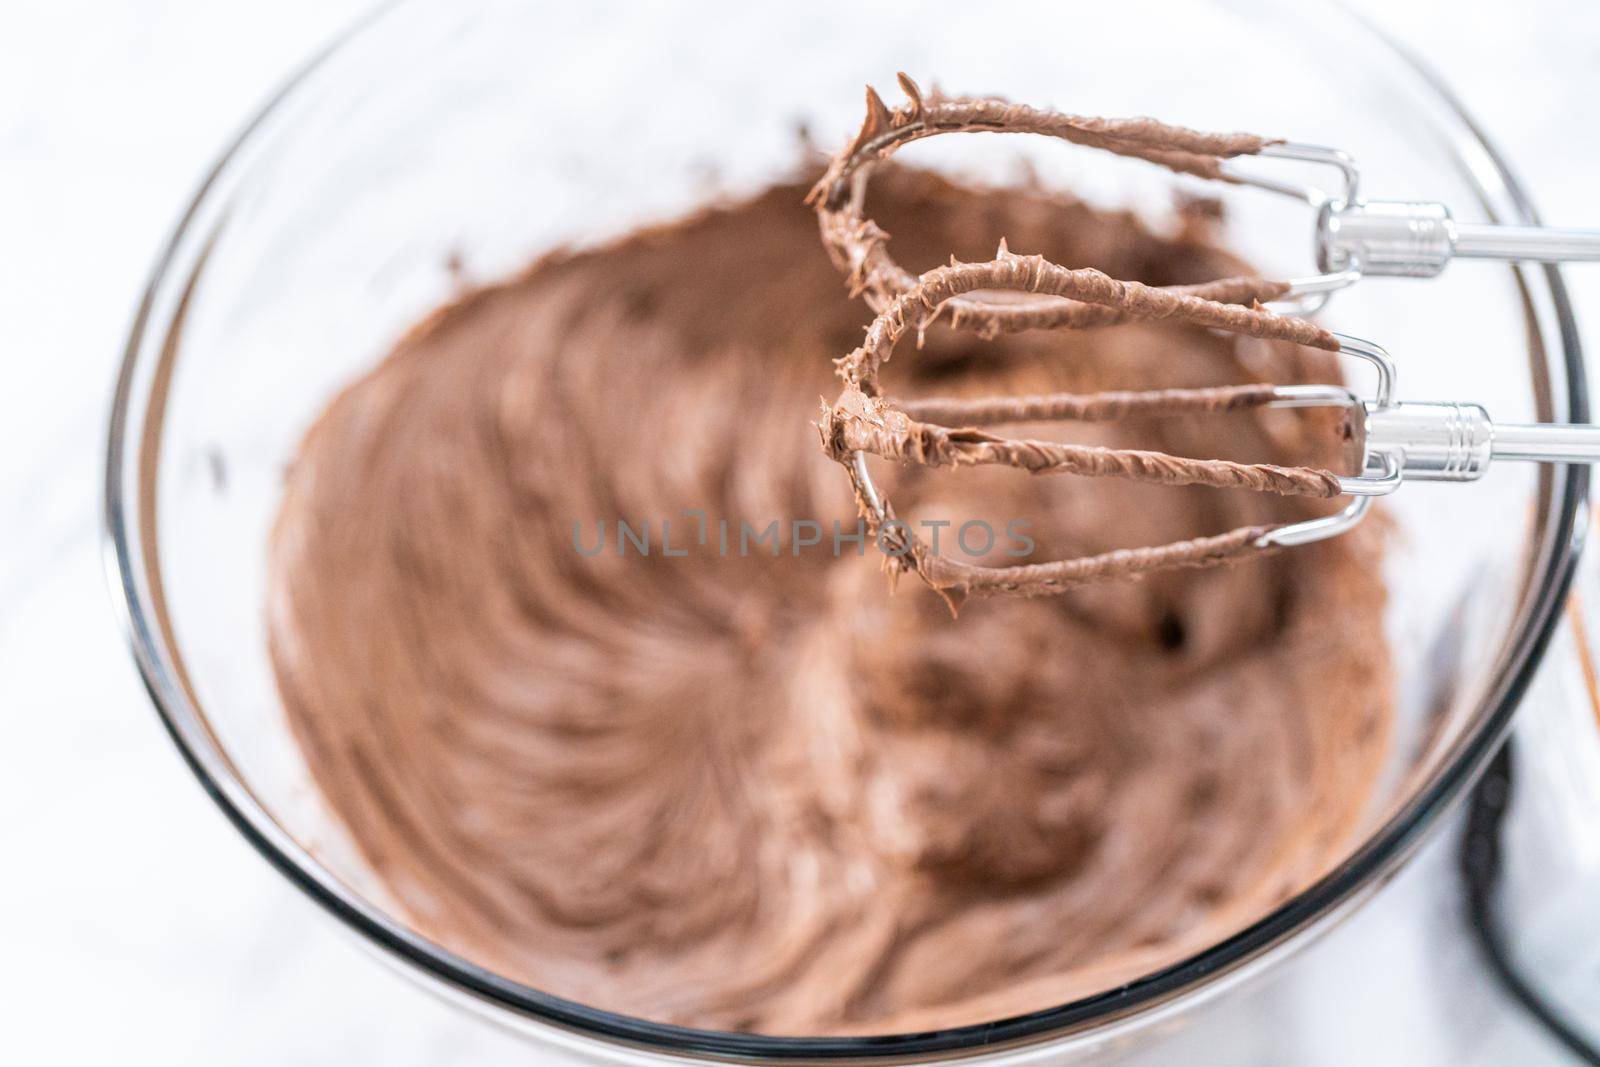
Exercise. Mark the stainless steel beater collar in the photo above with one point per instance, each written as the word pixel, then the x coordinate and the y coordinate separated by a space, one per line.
pixel 1396 238
pixel 1395 441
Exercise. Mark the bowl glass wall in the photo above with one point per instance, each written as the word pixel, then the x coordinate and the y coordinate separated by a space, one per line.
pixel 468 137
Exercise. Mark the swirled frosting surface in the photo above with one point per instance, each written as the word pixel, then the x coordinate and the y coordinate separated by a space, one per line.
pixel 756 791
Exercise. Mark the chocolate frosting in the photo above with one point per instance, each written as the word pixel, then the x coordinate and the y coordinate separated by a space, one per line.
pixel 754 791
pixel 859 245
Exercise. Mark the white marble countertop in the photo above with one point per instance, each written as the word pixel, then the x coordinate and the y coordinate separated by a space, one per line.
pixel 135 925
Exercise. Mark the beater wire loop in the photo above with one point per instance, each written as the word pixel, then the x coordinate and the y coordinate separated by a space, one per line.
pixel 937 432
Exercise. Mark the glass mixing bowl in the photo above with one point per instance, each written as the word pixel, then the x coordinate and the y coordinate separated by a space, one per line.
pixel 448 138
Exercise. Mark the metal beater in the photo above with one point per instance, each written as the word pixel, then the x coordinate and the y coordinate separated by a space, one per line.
pixel 1387 441
pixel 1354 237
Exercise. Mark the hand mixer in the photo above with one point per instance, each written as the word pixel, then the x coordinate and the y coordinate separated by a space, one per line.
pixel 1386 440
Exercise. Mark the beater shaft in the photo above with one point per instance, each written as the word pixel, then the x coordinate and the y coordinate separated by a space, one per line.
pixel 1542 244
pixel 1418 239
pixel 1454 442
pixel 1548 443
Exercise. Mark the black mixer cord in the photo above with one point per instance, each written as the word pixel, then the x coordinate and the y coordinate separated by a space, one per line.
pixel 1481 864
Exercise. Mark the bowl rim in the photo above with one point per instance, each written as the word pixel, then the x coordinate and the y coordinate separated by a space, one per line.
pixel 124 534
